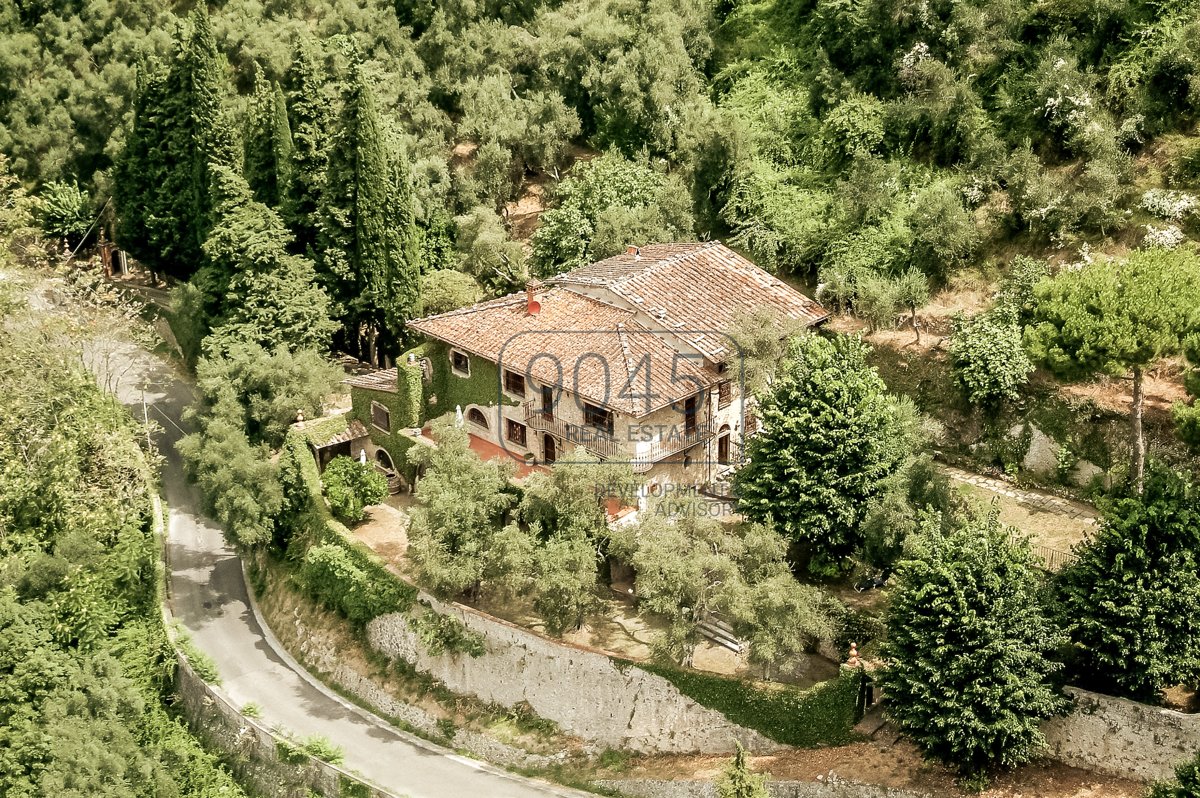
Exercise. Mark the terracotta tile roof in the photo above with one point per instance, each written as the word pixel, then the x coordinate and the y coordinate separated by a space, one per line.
pixel 696 290
pixel 383 380
pixel 605 355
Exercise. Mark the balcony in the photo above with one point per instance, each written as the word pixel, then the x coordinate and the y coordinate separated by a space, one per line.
pixel 607 447
pixel 672 444
pixel 596 441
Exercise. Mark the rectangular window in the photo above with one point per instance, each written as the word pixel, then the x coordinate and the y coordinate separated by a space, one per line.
pixel 724 394
pixel 460 362
pixel 598 417
pixel 381 417
pixel 514 431
pixel 514 383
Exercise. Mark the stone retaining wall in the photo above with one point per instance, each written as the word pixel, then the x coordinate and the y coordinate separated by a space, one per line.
pixel 1122 738
pixel 318 653
pixel 581 690
pixel 252 750
pixel 778 789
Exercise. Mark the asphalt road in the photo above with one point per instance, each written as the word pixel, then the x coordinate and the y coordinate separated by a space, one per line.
pixel 208 596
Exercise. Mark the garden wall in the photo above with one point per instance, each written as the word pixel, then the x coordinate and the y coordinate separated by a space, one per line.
pixel 1122 738
pixel 777 789
pixel 585 692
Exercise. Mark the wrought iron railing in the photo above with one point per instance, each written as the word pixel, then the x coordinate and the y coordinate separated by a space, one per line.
pixel 596 441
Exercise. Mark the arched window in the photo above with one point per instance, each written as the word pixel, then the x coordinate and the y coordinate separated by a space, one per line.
pixel 475 416
pixel 384 459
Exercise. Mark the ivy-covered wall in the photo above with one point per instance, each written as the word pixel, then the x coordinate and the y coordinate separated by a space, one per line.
pixel 354 582
pixel 449 390
pixel 822 715
pixel 405 406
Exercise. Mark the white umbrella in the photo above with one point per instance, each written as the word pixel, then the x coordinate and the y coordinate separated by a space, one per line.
pixel 458 416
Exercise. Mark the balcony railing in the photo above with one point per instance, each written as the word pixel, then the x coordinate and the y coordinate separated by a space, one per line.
pixel 672 444
pixel 596 441
pixel 608 447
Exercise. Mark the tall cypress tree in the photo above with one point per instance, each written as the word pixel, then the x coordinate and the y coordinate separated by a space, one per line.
pixel 163 176
pixel 311 119
pixel 140 171
pixel 268 146
pixel 369 243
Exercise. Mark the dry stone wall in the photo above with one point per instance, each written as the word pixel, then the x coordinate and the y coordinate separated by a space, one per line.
pixel 583 691
pixel 1122 738
pixel 319 652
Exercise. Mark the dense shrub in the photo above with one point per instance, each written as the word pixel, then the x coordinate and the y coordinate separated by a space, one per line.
pixel 967 648
pixel 1131 602
pixel 990 363
pixel 1186 784
pixel 334 576
pixel 350 486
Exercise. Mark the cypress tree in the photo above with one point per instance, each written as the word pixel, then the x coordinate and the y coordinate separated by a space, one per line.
pixel 268 145
pixel 369 242
pixel 140 172
pixel 311 119
pixel 163 176
pixel 738 781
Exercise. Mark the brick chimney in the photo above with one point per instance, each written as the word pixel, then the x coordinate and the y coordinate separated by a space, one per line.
pixel 636 252
pixel 532 306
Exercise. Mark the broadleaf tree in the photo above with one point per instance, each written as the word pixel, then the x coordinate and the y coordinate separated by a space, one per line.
pixel 967 667
pixel 831 437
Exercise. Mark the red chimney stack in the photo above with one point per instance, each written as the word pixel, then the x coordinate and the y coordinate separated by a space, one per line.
pixel 532 306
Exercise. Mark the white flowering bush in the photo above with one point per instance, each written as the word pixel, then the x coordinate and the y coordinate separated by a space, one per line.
pixel 1172 206
pixel 1165 237
pixel 910 64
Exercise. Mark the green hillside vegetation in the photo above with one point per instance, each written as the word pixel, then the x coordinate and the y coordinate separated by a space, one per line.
pixel 86 669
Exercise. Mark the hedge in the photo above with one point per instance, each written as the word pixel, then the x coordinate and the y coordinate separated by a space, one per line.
pixel 341 573
pixel 822 715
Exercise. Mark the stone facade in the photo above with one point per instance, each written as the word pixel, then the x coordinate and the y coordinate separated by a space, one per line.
pixel 585 692
pixel 1122 738
pixel 777 789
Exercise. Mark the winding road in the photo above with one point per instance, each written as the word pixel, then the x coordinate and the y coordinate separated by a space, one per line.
pixel 208 596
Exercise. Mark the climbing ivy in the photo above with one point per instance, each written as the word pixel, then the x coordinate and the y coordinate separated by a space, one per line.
pixel 822 715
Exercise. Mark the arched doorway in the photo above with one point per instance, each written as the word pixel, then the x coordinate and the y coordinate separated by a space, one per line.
pixel 549 449
pixel 384 459
pixel 723 445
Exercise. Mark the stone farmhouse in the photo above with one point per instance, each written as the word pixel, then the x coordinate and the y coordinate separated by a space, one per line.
pixel 627 358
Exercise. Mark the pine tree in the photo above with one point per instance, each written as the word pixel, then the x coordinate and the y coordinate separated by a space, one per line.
pixel 831 437
pixel 1118 318
pixel 369 240
pixel 1131 602
pixel 738 781
pixel 162 186
pixel 268 145
pixel 967 648
pixel 311 120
